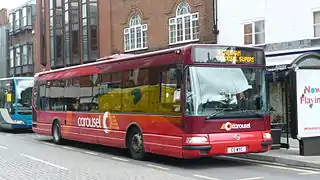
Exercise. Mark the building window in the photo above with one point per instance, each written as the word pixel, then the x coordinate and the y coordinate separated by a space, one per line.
pixel 89 30
pixel 254 33
pixel 316 23
pixel 93 29
pixel 17 20
pixel 11 22
pixel 24 20
pixel 67 54
pixel 185 26
pixel 25 55
pixel 43 34
pixel 135 36
pixel 30 54
pixel 59 33
pixel 75 35
pixel 85 34
pixel 52 33
pixel 17 56
pixel 12 57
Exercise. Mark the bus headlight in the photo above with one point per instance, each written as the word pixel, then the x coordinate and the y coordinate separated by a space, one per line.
pixel 17 122
pixel 196 140
pixel 266 136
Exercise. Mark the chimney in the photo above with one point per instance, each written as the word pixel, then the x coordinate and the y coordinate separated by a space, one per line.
pixel 4 16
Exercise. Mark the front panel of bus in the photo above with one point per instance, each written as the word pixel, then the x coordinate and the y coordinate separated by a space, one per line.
pixel 225 100
pixel 16 112
pixel 22 105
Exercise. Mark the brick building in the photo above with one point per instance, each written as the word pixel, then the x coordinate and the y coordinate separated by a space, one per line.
pixel 70 32
pixel 20 40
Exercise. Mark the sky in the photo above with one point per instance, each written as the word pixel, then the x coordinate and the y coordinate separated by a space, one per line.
pixel 11 4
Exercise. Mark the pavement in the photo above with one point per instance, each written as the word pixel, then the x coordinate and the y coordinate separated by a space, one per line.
pixel 289 156
pixel 31 156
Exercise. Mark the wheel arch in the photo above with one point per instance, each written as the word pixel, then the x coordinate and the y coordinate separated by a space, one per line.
pixel 129 128
pixel 55 120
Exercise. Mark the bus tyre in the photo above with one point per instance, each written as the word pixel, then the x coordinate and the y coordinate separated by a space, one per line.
pixel 56 133
pixel 135 144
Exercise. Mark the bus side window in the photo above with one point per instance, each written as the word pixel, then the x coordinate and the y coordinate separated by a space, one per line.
pixel 170 89
pixel 42 97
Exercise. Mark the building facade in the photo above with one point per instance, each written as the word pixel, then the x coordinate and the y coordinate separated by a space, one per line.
pixel 3 42
pixel 71 32
pixel 286 29
pixel 20 40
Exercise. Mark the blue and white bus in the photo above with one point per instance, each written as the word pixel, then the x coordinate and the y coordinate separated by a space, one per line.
pixel 15 103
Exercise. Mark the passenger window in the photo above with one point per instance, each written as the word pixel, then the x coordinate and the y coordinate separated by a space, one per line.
pixel 55 94
pixel 109 96
pixel 136 91
pixel 42 95
pixel 170 90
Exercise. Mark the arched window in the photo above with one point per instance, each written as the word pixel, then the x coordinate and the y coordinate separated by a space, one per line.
pixel 135 36
pixel 185 26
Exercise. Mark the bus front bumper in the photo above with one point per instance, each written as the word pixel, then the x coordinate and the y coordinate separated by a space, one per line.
pixel 15 126
pixel 229 148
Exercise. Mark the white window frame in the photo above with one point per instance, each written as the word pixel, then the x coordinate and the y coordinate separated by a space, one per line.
pixel 17 59
pixel 315 25
pixel 24 54
pixel 132 32
pixel 12 57
pixel 254 33
pixel 194 25
pixel 11 21
pixel 17 23
pixel 24 17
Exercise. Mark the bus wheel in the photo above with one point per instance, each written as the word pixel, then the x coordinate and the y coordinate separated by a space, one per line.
pixel 136 147
pixel 56 133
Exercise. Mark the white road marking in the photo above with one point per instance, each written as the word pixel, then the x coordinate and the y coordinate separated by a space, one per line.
pixel 20 137
pixel 309 173
pixel 44 162
pixel 157 167
pixel 288 168
pixel 91 153
pixel 50 144
pixel 253 178
pixel 3 147
pixel 204 177
pixel 304 171
pixel 251 160
pixel 66 147
pixel 120 159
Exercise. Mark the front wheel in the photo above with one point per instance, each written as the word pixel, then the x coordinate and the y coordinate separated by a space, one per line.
pixel 136 147
pixel 56 133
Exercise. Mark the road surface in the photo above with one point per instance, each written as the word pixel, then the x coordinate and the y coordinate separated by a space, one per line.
pixel 31 156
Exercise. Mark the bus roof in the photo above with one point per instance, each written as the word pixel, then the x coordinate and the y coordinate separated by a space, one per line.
pixel 122 57
pixel 9 78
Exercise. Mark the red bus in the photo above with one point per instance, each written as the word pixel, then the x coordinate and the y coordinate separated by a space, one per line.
pixel 187 102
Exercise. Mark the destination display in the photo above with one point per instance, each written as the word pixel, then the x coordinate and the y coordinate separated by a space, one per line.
pixel 228 55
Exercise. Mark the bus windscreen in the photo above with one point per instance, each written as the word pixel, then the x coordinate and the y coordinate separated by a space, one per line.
pixel 23 89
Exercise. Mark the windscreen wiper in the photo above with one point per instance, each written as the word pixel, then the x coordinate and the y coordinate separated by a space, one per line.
pixel 218 112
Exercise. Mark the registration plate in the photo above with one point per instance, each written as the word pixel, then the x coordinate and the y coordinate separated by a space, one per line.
pixel 237 149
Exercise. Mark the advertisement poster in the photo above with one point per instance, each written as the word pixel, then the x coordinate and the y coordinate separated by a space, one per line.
pixel 308 102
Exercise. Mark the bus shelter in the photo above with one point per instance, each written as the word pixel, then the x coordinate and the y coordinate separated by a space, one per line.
pixel 294 103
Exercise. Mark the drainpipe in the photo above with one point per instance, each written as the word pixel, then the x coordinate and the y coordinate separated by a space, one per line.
pixel 215 17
